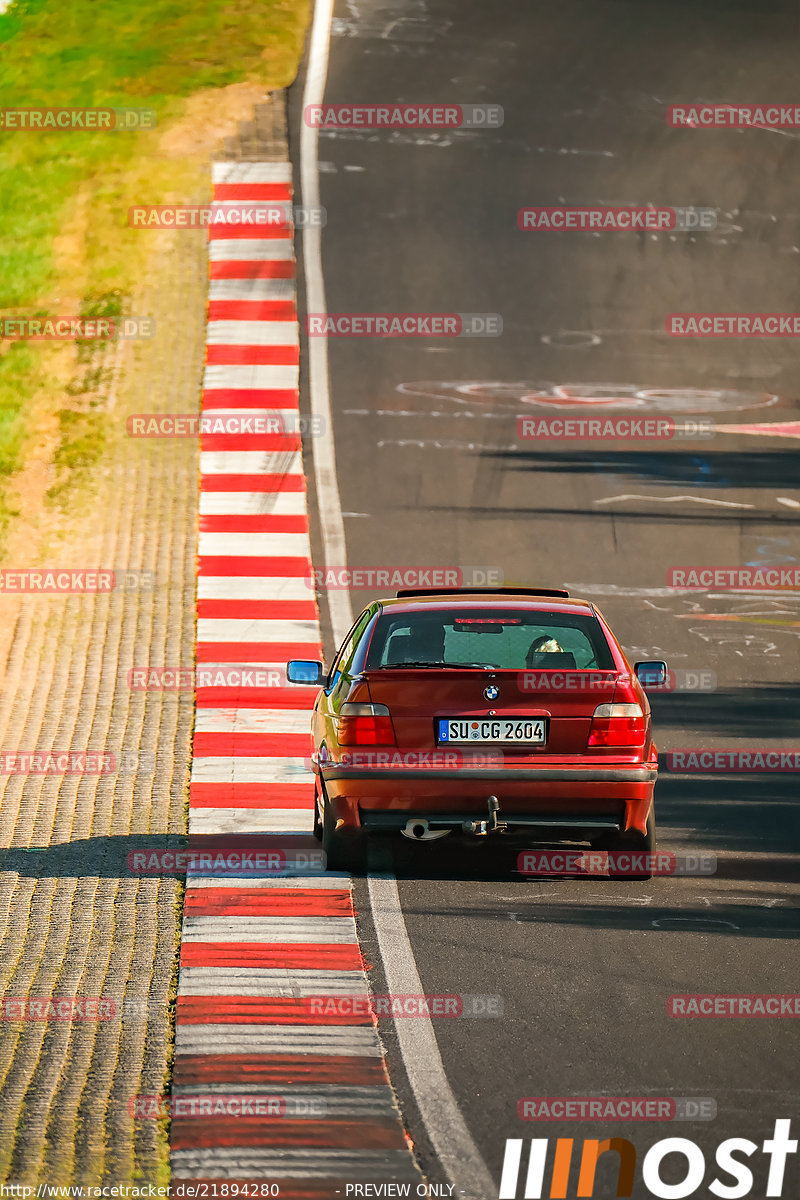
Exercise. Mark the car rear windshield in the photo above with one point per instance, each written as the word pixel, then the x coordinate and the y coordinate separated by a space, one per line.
pixel 501 638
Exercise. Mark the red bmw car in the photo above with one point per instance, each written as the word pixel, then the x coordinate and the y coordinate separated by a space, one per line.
pixel 506 713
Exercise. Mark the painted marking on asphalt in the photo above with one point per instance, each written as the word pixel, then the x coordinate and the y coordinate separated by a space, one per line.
pixel 280 587
pixel 204 981
pixel 308 1164
pixel 248 796
pixel 253 376
pixel 252 333
pixel 229 630
pixel 251 287
pixel 258 1038
pixel 283 928
pixel 696 922
pixel 248 544
pixel 245 769
pixel 233 719
pixel 512 395
pixel 253 745
pixel 742 617
pixel 252 503
pixel 325 880
pixel 250 253
pixel 673 500
pixel 243 462
pixel 264 820
pixel 616 589
pixel 785 429
pixel 304 955
pixel 254 902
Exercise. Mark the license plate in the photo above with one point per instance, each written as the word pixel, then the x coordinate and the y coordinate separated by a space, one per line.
pixel 485 730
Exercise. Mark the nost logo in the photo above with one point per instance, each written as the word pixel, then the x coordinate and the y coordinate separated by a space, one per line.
pixel 738 1181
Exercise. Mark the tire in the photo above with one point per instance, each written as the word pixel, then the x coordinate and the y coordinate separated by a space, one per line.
pixel 637 843
pixel 317 830
pixel 343 851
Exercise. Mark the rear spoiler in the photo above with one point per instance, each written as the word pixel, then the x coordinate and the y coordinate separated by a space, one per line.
pixel 559 593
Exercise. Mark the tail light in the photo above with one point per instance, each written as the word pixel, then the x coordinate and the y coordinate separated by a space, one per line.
pixel 617 725
pixel 364 725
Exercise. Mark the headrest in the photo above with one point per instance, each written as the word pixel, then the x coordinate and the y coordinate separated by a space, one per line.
pixel 564 660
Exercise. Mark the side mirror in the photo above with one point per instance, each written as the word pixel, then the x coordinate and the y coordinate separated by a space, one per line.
pixel 651 674
pixel 304 670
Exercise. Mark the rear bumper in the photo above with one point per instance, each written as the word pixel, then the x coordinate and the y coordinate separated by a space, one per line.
pixel 539 799
pixel 574 775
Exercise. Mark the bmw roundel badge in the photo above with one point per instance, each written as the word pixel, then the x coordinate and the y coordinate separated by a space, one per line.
pixel 491 692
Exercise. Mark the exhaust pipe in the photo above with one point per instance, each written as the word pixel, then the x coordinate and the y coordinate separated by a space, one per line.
pixel 418 830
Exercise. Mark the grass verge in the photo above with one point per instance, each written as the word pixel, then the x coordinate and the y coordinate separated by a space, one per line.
pixel 64 194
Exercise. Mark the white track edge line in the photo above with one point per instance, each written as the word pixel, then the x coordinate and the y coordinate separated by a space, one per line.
pixel 329 500
pixel 438 1107
pixel 448 1133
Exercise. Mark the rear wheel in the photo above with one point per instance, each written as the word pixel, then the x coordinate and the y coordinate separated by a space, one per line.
pixel 343 851
pixel 630 851
pixel 317 805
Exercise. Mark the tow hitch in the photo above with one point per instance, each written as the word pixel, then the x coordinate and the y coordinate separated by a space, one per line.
pixel 492 825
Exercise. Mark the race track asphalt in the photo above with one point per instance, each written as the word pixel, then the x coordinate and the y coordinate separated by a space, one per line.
pixel 431 474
